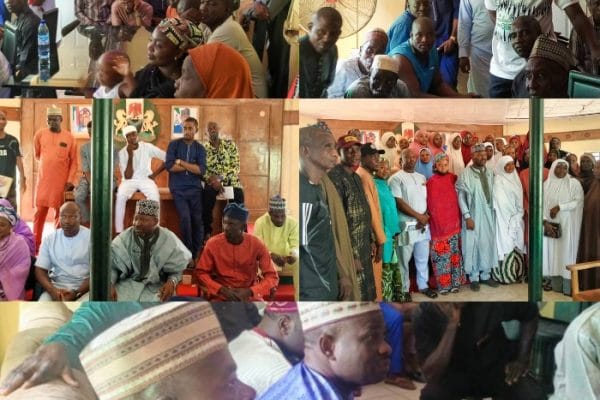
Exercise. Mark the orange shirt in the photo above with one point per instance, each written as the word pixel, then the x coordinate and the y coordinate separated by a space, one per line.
pixel 57 154
pixel 236 266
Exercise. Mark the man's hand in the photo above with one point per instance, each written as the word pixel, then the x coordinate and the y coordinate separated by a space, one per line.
pixel 515 370
pixel 452 311
pixel 215 183
pixel 69 186
pixel 166 290
pixel 131 148
pixel 470 224
pixel 345 292
pixel 192 14
pixel 464 64
pixel 121 66
pixel 152 176
pixel 290 259
pixel 278 260
pixel 357 265
pixel 423 219
pixel 49 362
pixel 554 210
pixel 67 295
pixel 233 294
pixel 448 46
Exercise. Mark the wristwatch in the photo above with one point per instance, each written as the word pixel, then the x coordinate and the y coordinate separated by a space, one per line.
pixel 178 162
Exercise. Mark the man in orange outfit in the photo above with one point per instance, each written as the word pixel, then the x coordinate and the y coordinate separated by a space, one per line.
pixel 229 264
pixel 56 151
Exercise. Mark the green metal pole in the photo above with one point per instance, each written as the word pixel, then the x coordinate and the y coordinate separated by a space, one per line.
pixel 101 199
pixel 536 153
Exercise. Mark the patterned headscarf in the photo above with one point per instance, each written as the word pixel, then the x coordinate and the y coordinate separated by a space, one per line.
pixel 10 214
pixel 182 33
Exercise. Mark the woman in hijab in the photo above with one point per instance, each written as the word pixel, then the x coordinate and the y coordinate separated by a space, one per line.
pixel 445 224
pixel 453 150
pixel 215 71
pixel 573 165
pixel 14 258
pixel 552 156
pixel 515 141
pixel 425 163
pixel 508 204
pixel 389 145
pixel 21 228
pixel 468 140
pixel 586 171
pixel 167 49
pixel 563 205
pixel 436 143
pixel 419 141
pixel 589 248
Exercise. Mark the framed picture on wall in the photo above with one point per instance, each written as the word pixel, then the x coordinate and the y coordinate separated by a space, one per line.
pixel 178 115
pixel 81 115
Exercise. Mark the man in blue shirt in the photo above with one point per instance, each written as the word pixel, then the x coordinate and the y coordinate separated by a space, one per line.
pixel 186 163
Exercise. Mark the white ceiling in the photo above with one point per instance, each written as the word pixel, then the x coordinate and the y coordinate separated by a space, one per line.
pixel 450 111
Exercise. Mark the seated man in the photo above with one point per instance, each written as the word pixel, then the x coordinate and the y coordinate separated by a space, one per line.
pixel 131 13
pixel 382 82
pixel 279 233
pixel 187 357
pixel 420 64
pixel 135 162
pixel 26 24
pixel 344 349
pixel 355 68
pixel 318 53
pixel 147 259
pixel 63 264
pixel 577 373
pixel 547 69
pixel 229 265
pixel 267 352
pixel 464 351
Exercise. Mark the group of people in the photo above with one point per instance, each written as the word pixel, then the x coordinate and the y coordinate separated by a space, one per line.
pixel 508 48
pixel 147 259
pixel 316 350
pixel 197 48
pixel 446 201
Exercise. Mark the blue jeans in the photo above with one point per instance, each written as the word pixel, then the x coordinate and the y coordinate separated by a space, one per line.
pixel 189 208
pixel 500 87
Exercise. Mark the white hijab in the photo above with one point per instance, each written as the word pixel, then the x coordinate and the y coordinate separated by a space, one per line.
pixel 508 203
pixel 457 165
pixel 391 155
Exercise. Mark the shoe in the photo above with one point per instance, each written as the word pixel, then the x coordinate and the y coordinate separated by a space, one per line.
pixel 491 283
pixel 454 290
pixel 475 286
pixel 429 293
pixel 406 298
pixel 444 292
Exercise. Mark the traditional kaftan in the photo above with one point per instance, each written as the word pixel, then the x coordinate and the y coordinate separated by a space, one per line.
pixel 475 198
pixel 358 215
pixel 168 258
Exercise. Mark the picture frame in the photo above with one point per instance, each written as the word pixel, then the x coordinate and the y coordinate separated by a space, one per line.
pixel 178 114
pixel 80 115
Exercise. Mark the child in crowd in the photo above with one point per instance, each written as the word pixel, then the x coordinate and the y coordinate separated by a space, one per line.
pixel 113 75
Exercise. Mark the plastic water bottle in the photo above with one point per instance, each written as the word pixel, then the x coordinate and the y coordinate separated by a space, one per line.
pixel 43 51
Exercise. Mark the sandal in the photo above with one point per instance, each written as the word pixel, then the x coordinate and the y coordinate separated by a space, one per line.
pixel 547 286
pixel 429 293
pixel 444 292
pixel 454 290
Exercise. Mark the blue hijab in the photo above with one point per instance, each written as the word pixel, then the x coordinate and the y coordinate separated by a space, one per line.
pixel 425 169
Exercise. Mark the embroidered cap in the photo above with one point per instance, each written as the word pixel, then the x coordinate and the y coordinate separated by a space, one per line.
pixel 282 307
pixel 314 314
pixel 385 63
pixel 276 203
pixel 53 110
pixel 548 49
pixel 477 147
pixel 150 346
pixel 148 207
pixel 236 211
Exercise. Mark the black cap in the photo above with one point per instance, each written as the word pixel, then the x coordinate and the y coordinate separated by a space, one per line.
pixel 369 148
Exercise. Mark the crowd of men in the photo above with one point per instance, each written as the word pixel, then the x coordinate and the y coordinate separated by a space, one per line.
pixel 453 204
pixel 147 259
pixel 305 350
pixel 507 48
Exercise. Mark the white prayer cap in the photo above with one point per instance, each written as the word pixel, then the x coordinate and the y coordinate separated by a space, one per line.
pixel 129 129
pixel 149 346
pixel 386 63
pixel 314 314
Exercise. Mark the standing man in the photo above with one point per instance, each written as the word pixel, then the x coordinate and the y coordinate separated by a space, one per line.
pixel 358 213
pixel 445 17
pixel 10 160
pixel 56 150
pixel 325 274
pixel 135 162
pixel 222 169
pixel 475 30
pixel 476 201
pixel 93 12
pixel 186 163
pixel 410 191
pixel 369 158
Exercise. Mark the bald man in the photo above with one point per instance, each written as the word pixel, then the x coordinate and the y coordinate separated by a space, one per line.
pixel 63 264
